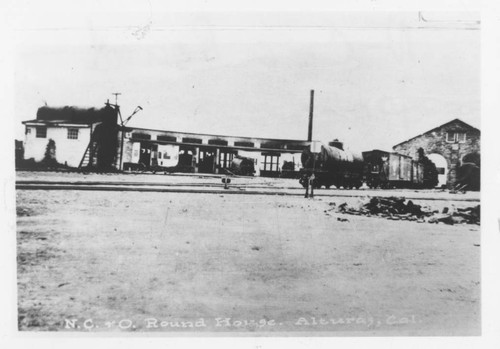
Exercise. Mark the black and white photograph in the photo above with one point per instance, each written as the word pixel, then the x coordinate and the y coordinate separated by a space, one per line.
pixel 218 173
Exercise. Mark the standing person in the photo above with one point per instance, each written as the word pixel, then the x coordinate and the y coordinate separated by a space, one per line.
pixel 307 180
pixel 311 183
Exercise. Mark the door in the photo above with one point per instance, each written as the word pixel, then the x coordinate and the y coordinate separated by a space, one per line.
pixel 206 162
pixel 145 155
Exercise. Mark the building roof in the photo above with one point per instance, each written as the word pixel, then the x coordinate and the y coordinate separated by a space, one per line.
pixel 57 122
pixel 131 129
pixel 464 124
pixel 71 115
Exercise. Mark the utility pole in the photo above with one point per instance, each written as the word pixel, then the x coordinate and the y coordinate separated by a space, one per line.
pixel 116 97
pixel 311 109
pixel 123 129
pixel 310 180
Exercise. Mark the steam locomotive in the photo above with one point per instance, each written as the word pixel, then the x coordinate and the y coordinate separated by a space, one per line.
pixel 242 166
pixel 333 165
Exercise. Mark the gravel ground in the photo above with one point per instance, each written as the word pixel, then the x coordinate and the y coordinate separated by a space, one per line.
pixel 177 262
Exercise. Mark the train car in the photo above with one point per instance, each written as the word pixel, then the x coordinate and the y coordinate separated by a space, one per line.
pixel 418 174
pixel 332 166
pixel 390 170
pixel 242 166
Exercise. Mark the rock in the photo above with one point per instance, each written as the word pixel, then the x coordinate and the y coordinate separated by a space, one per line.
pixel 441 218
pixel 458 220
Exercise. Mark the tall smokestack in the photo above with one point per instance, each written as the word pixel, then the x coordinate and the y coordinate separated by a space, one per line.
pixel 311 108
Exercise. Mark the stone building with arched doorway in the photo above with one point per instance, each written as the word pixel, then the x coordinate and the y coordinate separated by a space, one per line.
pixel 448 146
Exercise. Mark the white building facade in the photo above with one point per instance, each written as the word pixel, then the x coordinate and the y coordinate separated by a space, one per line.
pixel 71 141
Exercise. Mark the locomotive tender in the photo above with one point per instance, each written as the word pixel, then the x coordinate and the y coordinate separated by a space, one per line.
pixel 333 165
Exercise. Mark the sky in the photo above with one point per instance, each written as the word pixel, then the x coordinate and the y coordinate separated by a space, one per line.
pixel 379 78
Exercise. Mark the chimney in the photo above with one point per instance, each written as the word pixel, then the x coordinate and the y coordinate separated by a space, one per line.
pixel 311 108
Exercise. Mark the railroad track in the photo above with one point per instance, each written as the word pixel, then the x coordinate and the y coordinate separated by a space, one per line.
pixel 218 188
pixel 154 184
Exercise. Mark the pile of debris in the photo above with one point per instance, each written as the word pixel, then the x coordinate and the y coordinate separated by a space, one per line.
pixel 396 208
pixel 469 215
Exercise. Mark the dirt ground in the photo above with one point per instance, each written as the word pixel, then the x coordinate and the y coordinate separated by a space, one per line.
pixel 183 262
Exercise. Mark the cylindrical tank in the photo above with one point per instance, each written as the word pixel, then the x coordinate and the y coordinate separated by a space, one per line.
pixel 334 166
pixel 330 158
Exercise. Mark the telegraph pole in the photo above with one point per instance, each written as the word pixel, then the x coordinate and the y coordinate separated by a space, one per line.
pixel 116 97
pixel 117 108
pixel 311 109
pixel 310 178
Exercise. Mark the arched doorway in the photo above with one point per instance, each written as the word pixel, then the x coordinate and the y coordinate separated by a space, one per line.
pixel 441 166
pixel 473 158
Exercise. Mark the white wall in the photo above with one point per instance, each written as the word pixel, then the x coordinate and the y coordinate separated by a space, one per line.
pixel 440 162
pixel 69 151
pixel 259 159
pixel 172 152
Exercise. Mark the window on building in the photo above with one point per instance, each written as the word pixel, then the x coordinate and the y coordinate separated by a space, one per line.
pixel 271 162
pixel 72 133
pixel 191 140
pixel 225 159
pixel 453 137
pixel 166 138
pixel 217 142
pixel 144 136
pixel 271 145
pixel 28 130
pixel 41 132
pixel 244 144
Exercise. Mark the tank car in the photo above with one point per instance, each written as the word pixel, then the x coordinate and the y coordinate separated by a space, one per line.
pixel 332 166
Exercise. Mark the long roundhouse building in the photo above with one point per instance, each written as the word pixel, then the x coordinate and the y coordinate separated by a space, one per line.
pixel 83 138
